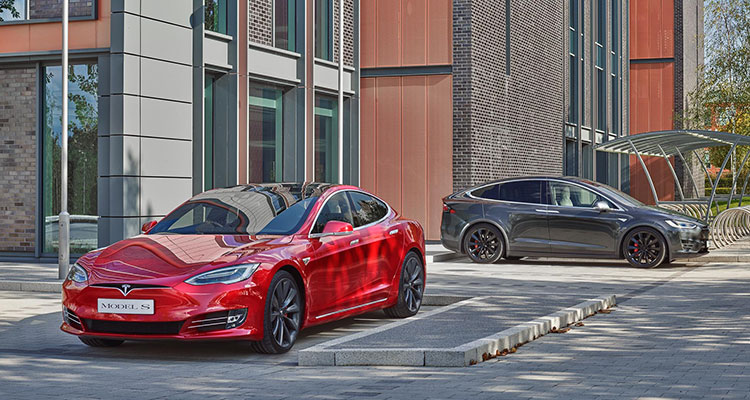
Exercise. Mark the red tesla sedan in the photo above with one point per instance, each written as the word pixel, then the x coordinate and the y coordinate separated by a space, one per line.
pixel 253 262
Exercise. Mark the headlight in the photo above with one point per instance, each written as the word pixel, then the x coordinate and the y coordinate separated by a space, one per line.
pixel 78 274
pixel 681 224
pixel 226 275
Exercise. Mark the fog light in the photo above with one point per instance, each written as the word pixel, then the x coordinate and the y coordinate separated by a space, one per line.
pixel 236 318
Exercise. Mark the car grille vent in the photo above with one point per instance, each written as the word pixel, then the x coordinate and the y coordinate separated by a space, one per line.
pixel 133 328
pixel 71 319
pixel 210 322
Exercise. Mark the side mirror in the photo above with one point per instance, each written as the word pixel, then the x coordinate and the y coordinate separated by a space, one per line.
pixel 336 228
pixel 602 207
pixel 147 226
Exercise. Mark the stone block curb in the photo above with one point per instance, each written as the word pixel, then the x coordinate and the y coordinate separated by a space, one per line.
pixel 442 257
pixel 31 286
pixel 459 356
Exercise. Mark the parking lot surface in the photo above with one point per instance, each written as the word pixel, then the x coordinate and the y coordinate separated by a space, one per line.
pixel 678 332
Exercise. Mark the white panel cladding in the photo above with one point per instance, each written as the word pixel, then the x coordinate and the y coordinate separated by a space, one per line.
pixel 327 77
pixel 165 80
pixel 269 62
pixel 159 196
pixel 167 42
pixel 154 151
pixel 216 52
pixel 176 12
pixel 166 119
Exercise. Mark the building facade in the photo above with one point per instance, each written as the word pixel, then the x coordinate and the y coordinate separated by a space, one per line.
pixel 411 99
pixel 168 98
pixel 666 43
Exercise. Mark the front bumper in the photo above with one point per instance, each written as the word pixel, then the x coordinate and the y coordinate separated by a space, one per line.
pixel 690 243
pixel 182 312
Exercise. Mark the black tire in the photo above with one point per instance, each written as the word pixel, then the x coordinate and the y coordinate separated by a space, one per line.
pixel 282 317
pixel 484 244
pixel 644 248
pixel 411 288
pixel 97 342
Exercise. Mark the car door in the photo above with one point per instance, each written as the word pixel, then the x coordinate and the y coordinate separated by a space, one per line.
pixel 519 207
pixel 575 226
pixel 334 269
pixel 380 245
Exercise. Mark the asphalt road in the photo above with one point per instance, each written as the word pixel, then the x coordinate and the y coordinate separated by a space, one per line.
pixel 678 332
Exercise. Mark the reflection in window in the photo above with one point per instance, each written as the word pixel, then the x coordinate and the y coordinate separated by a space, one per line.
pixel 13 10
pixel 266 132
pixel 285 25
pixel 82 156
pixel 216 16
pixel 324 29
pixel 367 209
pixel 326 139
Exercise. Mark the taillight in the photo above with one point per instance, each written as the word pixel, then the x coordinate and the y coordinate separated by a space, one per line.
pixel 447 209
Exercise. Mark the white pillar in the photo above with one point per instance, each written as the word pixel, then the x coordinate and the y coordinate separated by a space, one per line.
pixel 63 258
pixel 341 92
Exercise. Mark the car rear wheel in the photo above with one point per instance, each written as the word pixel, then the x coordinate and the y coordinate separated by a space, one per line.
pixel 96 342
pixel 644 248
pixel 411 288
pixel 283 315
pixel 484 244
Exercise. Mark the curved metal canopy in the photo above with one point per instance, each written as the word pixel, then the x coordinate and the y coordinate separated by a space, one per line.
pixel 671 142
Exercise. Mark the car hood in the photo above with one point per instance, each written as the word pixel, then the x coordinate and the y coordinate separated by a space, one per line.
pixel 166 257
pixel 666 214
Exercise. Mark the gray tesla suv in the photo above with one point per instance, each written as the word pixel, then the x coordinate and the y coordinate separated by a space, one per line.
pixel 565 217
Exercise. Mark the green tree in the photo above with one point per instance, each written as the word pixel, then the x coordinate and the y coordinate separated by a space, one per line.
pixel 8 5
pixel 722 97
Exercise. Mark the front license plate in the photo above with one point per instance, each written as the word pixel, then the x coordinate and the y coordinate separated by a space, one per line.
pixel 120 306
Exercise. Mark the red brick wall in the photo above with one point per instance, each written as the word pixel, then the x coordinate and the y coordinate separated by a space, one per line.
pixel 17 159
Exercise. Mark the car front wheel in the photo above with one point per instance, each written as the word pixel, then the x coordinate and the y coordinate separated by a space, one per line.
pixel 644 248
pixel 411 288
pixel 283 315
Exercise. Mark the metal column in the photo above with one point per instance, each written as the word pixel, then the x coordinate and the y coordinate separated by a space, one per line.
pixel 716 182
pixel 648 175
pixel 674 174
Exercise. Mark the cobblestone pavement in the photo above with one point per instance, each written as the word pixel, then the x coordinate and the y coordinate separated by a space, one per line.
pixel 678 332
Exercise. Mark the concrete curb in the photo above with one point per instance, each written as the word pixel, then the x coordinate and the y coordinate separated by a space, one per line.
pixel 460 356
pixel 442 257
pixel 31 286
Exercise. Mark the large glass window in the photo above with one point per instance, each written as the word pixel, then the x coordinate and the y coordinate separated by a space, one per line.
pixel 13 10
pixel 573 63
pixel 216 15
pixel 324 29
pixel 571 158
pixel 567 195
pixel 266 134
pixel 326 139
pixel 285 24
pixel 83 122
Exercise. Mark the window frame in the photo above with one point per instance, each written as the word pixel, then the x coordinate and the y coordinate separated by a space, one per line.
pixel 291 33
pixel 311 235
pixel 351 201
pixel 543 188
pixel 616 205
pixel 253 101
pixel 329 34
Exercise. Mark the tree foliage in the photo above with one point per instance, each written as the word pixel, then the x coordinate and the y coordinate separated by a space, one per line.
pixel 8 5
pixel 721 99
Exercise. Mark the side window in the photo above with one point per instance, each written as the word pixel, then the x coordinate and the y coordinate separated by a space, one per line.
pixel 487 192
pixel 521 192
pixel 336 209
pixel 367 209
pixel 566 195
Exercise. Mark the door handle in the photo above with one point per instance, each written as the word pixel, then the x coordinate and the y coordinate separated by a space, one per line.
pixel 353 242
pixel 393 232
pixel 548 211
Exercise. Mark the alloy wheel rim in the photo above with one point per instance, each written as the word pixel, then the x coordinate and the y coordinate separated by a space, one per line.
pixel 644 248
pixel 412 284
pixel 483 244
pixel 285 313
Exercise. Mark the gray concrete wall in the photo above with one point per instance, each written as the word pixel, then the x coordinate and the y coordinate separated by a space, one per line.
pixel 147 139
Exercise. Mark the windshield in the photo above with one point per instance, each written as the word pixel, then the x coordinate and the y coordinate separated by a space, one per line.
pixel 240 211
